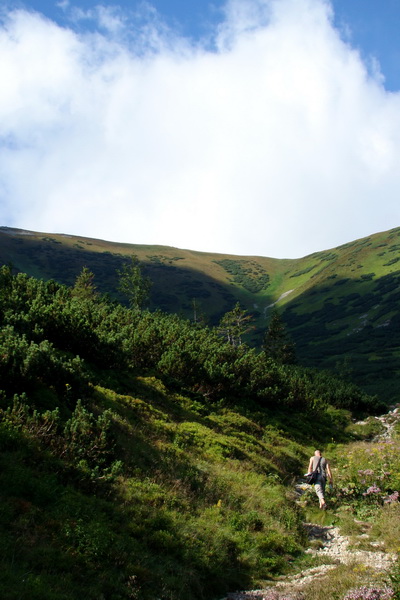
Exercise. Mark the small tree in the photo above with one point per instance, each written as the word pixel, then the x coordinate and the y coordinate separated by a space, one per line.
pixel 199 318
pixel 235 324
pixel 133 284
pixel 84 287
pixel 277 342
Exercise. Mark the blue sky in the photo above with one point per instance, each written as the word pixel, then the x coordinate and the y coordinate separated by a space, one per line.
pixel 268 127
pixel 372 26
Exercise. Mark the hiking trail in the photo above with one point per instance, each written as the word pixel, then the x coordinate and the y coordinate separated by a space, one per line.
pixel 327 542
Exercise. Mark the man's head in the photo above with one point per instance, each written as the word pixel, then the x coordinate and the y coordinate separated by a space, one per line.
pixel 318 453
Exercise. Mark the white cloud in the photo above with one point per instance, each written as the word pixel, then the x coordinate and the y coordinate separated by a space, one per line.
pixel 276 143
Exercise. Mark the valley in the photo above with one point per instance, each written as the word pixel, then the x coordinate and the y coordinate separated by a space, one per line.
pixel 340 306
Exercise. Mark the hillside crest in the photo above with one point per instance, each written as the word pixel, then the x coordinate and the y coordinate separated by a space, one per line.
pixel 340 305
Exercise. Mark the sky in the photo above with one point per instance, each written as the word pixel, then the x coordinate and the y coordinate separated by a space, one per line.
pixel 247 127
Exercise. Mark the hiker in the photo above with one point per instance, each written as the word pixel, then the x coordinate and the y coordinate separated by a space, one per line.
pixel 319 463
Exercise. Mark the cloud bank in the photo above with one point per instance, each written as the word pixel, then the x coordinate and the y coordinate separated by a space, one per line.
pixel 269 137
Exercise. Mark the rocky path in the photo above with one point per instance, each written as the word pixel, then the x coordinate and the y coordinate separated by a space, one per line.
pixel 337 548
pixel 326 542
pixel 330 545
pixel 388 421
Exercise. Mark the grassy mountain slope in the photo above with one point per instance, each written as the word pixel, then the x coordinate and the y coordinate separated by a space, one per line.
pixel 196 509
pixel 141 456
pixel 340 305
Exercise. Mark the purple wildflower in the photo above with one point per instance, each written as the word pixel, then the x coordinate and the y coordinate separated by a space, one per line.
pixel 366 593
pixel 366 472
pixel 275 595
pixel 372 490
pixel 391 498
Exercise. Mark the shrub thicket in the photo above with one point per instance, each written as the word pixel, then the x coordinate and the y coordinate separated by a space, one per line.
pixel 143 456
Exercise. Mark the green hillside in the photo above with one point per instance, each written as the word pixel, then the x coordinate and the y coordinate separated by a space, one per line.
pixel 142 456
pixel 340 305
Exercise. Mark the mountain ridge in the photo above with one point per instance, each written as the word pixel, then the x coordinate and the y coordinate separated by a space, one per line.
pixel 339 304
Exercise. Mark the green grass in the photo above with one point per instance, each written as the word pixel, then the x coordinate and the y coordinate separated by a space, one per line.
pixel 200 507
pixel 339 581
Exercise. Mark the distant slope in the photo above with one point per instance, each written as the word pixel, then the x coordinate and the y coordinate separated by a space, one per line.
pixel 214 281
pixel 340 305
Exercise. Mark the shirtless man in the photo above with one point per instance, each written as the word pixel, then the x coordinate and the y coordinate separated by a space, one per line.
pixel 324 470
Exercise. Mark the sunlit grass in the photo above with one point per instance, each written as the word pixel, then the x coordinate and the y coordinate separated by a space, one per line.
pixel 337 582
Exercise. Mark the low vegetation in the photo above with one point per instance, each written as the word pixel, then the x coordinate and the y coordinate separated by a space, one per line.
pixel 144 456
